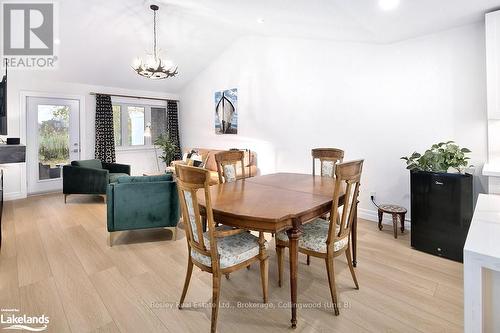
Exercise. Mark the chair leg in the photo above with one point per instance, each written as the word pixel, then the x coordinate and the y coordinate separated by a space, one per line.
pixel 395 224
pixel 111 238
pixel 380 217
pixel 174 232
pixel 402 217
pixel 186 282
pixel 227 276
pixel 65 196
pixel 351 267
pixel 308 260
pixel 264 266
pixel 264 277
pixel 279 256
pixel 331 279
pixel 215 301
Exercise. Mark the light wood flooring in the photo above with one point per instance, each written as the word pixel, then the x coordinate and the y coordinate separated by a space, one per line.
pixel 55 261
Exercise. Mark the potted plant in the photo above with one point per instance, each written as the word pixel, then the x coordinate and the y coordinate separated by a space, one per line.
pixel 441 157
pixel 441 199
pixel 168 147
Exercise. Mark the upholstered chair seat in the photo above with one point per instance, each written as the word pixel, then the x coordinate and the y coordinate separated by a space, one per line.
pixel 232 249
pixel 314 235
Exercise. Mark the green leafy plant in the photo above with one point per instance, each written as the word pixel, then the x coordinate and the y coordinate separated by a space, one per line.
pixel 168 147
pixel 439 158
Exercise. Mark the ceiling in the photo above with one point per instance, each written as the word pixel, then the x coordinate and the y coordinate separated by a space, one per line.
pixel 99 39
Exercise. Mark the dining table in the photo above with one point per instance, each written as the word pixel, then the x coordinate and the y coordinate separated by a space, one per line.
pixel 272 203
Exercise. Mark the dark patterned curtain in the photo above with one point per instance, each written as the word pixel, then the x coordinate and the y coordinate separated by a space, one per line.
pixel 173 126
pixel 104 134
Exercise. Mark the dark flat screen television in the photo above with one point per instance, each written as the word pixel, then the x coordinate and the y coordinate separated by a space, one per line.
pixel 3 105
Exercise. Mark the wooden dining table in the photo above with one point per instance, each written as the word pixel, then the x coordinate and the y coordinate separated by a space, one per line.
pixel 275 202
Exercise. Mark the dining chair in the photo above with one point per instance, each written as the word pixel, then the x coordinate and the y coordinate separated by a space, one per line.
pixel 328 158
pixel 219 250
pixel 328 239
pixel 227 165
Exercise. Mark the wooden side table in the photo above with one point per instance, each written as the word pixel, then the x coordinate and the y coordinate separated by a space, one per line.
pixel 397 212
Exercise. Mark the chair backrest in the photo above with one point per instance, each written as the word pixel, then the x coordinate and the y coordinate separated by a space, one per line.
pixel 227 162
pixel 328 158
pixel 347 178
pixel 189 181
pixel 94 164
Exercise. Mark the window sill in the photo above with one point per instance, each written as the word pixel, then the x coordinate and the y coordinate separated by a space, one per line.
pixel 134 148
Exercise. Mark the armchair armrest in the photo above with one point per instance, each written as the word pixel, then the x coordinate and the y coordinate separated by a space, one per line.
pixel 80 180
pixel 116 168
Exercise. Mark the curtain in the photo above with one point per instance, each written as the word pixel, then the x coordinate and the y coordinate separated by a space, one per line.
pixel 104 133
pixel 173 126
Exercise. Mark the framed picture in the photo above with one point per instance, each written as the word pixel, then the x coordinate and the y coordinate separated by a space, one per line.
pixel 226 111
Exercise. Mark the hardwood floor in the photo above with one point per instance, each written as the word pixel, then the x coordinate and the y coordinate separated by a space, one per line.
pixel 54 261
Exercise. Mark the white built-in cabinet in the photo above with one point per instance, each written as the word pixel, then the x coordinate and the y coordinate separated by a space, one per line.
pixel 493 63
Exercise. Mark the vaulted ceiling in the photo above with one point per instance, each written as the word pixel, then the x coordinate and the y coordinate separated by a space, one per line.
pixel 99 39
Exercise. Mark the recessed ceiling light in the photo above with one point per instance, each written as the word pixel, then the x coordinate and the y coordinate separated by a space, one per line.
pixel 388 4
pixel 260 20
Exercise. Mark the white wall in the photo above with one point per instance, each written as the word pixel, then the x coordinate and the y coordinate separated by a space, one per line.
pixel 27 81
pixel 377 102
pixel 491 290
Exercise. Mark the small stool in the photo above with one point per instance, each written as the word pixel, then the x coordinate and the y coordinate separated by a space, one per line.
pixel 397 212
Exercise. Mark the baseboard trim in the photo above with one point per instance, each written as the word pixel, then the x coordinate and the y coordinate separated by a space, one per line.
pixel 372 215
pixel 14 196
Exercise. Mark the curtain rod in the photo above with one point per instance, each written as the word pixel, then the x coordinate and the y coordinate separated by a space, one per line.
pixel 139 97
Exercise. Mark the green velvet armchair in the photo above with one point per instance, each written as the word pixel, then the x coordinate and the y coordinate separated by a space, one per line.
pixel 91 176
pixel 142 203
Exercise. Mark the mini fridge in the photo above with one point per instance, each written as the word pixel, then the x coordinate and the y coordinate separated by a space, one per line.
pixel 441 212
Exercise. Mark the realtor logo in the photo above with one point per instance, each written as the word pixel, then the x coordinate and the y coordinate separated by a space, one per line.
pixel 28 29
pixel 11 319
pixel 28 34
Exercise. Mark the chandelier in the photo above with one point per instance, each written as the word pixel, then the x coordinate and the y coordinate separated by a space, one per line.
pixel 152 66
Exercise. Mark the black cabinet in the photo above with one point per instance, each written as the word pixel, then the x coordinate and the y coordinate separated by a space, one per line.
pixel 441 212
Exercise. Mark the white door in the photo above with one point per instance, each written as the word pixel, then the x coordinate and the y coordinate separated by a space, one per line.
pixel 53 140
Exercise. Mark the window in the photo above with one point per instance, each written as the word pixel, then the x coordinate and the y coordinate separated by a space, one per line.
pixel 117 124
pixel 130 120
pixel 135 125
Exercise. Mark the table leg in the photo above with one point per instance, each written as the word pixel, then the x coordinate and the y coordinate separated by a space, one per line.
pixel 293 240
pixel 354 235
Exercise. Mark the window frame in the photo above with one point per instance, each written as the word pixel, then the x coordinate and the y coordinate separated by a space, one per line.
pixel 124 104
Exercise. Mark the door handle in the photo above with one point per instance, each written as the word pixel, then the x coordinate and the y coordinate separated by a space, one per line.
pixel 438 183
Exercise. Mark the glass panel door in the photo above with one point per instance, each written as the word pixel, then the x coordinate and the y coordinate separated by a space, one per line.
pixel 54 142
